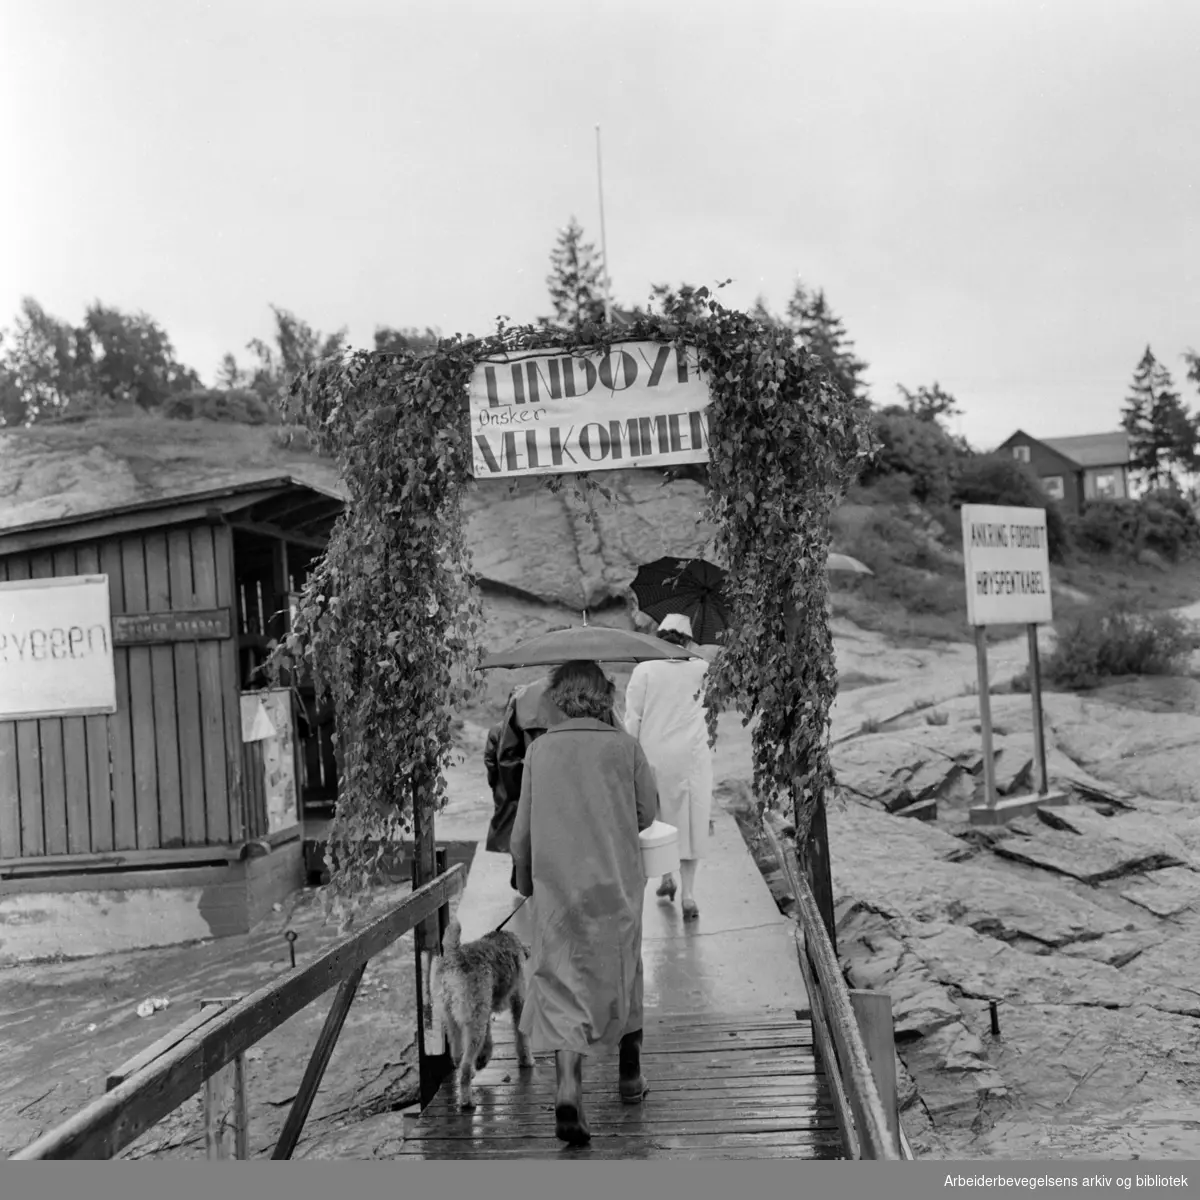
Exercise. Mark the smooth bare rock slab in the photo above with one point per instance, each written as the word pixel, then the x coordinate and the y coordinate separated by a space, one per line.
pixel 1090 859
pixel 1117 949
pixel 1154 754
pixel 1134 827
pixel 1167 893
pixel 539 542
pixel 904 868
pixel 1174 962
pixel 986 969
pixel 1094 1083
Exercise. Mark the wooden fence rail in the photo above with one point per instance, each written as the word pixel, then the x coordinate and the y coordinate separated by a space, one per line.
pixel 154 1090
pixel 870 1126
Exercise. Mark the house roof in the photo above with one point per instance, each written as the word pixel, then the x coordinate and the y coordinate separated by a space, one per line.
pixel 1093 449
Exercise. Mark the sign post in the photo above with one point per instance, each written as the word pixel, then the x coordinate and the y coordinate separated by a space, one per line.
pixel 1006 557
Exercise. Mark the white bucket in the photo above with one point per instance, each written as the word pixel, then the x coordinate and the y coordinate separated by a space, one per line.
pixel 660 849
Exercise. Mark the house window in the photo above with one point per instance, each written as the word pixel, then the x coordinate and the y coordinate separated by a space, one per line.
pixel 1106 486
pixel 1021 453
pixel 1053 485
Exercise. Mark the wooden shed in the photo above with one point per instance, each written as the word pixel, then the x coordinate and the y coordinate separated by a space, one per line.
pixel 180 814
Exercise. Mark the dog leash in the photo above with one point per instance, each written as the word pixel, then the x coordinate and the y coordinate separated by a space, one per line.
pixel 510 915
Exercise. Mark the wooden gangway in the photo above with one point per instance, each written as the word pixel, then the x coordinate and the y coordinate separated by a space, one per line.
pixel 729 1049
pixel 754 1047
pixel 721 1086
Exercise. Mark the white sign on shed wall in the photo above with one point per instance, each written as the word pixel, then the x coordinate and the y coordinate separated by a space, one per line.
pixel 56 648
pixel 1007 560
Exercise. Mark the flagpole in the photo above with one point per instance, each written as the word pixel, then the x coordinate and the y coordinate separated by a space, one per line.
pixel 603 239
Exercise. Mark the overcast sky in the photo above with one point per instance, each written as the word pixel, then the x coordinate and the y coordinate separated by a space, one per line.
pixel 1003 197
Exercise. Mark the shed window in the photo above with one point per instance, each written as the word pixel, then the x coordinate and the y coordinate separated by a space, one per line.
pixel 1053 485
pixel 1106 485
pixel 1021 453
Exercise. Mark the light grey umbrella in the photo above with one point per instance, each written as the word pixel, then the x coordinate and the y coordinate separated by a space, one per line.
pixel 594 643
pixel 843 562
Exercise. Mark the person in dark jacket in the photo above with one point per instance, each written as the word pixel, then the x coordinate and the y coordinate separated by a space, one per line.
pixel 528 713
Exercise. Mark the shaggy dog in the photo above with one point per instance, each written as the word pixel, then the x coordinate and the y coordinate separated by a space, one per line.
pixel 470 983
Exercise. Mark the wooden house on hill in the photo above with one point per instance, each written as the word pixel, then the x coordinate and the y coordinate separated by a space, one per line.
pixel 1074 470
pixel 156 792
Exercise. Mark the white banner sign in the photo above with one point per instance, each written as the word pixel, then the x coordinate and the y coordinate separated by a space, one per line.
pixel 642 404
pixel 1007 558
pixel 56 648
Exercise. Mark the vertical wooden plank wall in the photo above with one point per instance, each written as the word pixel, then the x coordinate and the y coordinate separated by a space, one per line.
pixel 165 770
pixel 212 696
pixel 230 676
pixel 73 733
pixel 187 694
pixel 163 688
pixel 120 724
pixel 10 811
pixel 96 730
pixel 29 760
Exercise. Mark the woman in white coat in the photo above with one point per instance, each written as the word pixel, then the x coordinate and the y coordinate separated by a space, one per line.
pixel 664 710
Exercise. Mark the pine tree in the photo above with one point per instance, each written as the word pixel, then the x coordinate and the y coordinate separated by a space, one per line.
pixel 576 280
pixel 824 335
pixel 1162 432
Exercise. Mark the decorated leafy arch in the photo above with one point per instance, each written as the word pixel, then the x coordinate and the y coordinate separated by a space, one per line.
pixel 389 619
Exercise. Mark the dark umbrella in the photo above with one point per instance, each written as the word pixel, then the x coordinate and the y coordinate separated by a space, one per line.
pixel 594 643
pixel 690 586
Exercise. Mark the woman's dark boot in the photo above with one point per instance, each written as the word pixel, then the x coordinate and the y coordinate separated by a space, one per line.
pixel 570 1125
pixel 630 1080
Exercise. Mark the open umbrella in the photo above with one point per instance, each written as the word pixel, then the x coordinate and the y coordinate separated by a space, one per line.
pixel 692 587
pixel 594 643
pixel 843 562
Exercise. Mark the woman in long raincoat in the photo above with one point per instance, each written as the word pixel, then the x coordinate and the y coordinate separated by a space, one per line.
pixel 586 793
pixel 665 712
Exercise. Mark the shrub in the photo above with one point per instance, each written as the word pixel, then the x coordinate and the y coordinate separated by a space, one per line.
pixel 994 479
pixel 1161 521
pixel 235 406
pixel 920 450
pixel 1097 646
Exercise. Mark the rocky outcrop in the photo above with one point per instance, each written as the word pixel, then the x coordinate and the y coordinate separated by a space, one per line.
pixel 1081 923
pixel 524 539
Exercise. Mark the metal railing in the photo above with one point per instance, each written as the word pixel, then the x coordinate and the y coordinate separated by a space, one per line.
pixel 852 1031
pixel 167 1074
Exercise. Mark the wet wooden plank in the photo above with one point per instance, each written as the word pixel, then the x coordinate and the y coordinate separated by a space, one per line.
pixel 29 758
pixel 99 786
pixel 50 739
pixel 742 1088
pixel 189 721
pixel 230 673
pixel 73 733
pixel 818 1144
pixel 10 812
pixel 141 699
pixel 120 724
pixel 212 699
pixel 162 674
